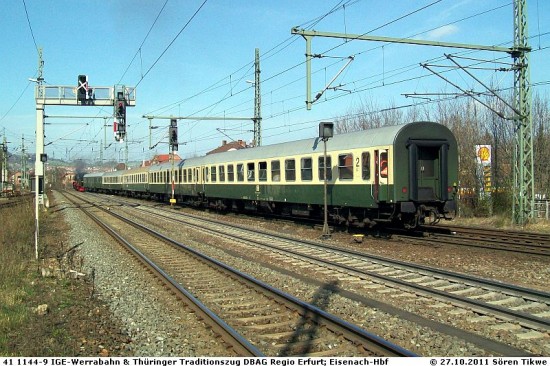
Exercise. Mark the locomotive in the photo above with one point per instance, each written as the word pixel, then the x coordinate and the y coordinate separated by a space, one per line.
pixel 77 186
pixel 399 176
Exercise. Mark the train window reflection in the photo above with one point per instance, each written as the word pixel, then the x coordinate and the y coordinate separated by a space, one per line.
pixel 322 168
pixel 307 169
pixel 276 171
pixel 365 166
pixel 290 170
pixel 251 170
pixel 384 165
pixel 345 166
pixel 213 173
pixel 262 170
pixel 222 173
pixel 230 173
pixel 240 172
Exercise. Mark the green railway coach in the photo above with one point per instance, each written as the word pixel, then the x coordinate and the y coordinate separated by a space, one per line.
pixel 403 174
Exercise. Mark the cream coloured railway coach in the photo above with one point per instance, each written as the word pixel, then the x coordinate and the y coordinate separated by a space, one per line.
pixel 401 175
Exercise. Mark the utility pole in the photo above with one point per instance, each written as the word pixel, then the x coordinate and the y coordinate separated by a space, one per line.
pixel 257 102
pixel 4 166
pixel 257 119
pixel 524 188
pixel 24 178
pixel 523 205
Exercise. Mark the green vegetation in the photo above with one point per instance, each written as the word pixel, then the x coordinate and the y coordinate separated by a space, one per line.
pixel 16 256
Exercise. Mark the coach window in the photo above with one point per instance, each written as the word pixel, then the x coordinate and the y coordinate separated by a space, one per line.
pixel 251 172
pixel 345 166
pixel 322 168
pixel 190 175
pixel 262 171
pixel 240 172
pixel 222 173
pixel 230 173
pixel 290 170
pixel 384 165
pixel 365 166
pixel 426 161
pixel 213 173
pixel 307 169
pixel 276 171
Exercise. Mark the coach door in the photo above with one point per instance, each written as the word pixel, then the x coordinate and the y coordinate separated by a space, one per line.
pixel 197 181
pixel 381 172
pixel 428 165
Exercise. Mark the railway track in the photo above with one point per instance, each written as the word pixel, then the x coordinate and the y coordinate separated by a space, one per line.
pixel 504 240
pixel 523 312
pixel 15 200
pixel 253 316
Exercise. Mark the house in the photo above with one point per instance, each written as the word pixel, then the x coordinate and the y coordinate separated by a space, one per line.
pixel 158 159
pixel 229 146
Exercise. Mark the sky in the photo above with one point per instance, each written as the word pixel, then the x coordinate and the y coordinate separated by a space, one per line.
pixel 195 58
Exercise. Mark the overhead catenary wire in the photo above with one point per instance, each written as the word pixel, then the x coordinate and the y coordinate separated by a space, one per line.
pixel 172 42
pixel 143 42
pixel 30 27
pixel 286 70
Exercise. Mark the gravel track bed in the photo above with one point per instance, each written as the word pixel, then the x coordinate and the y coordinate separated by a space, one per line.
pixel 151 317
pixel 409 335
pixel 422 341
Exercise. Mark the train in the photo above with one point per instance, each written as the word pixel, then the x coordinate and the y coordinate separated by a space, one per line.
pixel 401 176
pixel 77 186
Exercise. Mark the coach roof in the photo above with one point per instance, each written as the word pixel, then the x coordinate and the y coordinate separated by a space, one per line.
pixel 342 142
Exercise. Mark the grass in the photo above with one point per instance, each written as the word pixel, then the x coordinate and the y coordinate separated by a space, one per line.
pixel 502 222
pixel 17 257
pixel 24 333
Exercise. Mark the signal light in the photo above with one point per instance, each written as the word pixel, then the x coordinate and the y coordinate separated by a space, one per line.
pixel 120 116
pixel 173 134
pixel 82 87
pixel 120 110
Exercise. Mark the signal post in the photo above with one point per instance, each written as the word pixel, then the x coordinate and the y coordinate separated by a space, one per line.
pixel 118 96
pixel 173 139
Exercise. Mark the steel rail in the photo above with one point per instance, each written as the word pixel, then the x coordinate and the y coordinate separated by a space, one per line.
pixel 238 343
pixel 349 331
pixel 512 290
